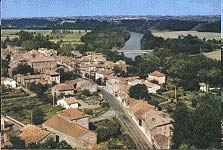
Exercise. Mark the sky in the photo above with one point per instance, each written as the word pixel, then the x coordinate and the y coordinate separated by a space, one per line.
pixel 61 8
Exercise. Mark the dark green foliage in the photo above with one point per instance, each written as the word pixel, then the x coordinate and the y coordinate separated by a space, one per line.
pixel 65 50
pixel 188 71
pixel 50 144
pixel 188 44
pixel 139 91
pixel 209 27
pixel 23 69
pixel 37 116
pixel 17 143
pixel 39 89
pixel 4 67
pixel 201 127
pixel 86 92
pixel 68 75
pixel 107 129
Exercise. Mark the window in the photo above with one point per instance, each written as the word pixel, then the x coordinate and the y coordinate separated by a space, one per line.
pixel 57 138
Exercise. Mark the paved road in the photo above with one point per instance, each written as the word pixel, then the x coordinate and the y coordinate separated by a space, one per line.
pixel 136 134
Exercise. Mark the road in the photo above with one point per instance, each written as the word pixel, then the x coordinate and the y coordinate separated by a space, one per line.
pixel 142 143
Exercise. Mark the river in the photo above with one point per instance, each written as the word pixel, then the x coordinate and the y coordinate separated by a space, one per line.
pixel 133 43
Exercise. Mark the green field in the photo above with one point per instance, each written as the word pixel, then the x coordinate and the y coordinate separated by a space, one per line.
pixel 214 55
pixel 66 36
pixel 175 34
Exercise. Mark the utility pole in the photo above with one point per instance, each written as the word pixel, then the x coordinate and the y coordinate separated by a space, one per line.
pixel 53 99
pixel 175 92
pixel 31 118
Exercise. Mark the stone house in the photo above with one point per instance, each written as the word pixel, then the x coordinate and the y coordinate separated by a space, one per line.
pixel 114 84
pixel 203 87
pixel 152 87
pixel 62 89
pixel 70 125
pixel 43 64
pixel 52 76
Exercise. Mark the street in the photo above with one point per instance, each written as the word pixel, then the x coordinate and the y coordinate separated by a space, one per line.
pixel 136 134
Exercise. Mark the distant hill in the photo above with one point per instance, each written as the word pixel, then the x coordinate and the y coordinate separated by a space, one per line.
pixel 133 23
pixel 208 27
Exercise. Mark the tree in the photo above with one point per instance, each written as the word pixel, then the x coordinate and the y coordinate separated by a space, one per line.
pixel 37 116
pixel 39 89
pixel 23 69
pixel 29 45
pixel 139 91
pixel 17 143
pixel 65 49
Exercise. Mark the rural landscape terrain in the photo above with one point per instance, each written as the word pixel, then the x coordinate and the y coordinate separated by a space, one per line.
pixel 111 82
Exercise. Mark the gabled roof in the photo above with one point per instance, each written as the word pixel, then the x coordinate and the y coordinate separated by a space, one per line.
pixel 64 87
pixel 131 101
pixel 75 81
pixel 71 114
pixel 70 128
pixel 32 134
pixel 50 72
pixel 157 74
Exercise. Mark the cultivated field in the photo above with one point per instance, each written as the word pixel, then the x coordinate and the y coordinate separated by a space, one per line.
pixel 66 36
pixel 214 55
pixel 175 34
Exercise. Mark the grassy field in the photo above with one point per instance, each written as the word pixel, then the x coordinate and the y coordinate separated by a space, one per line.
pixel 67 36
pixel 175 34
pixel 214 55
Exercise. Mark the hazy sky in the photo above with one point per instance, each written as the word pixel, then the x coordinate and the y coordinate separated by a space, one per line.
pixel 43 8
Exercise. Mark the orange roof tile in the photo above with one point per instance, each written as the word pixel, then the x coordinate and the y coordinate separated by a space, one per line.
pixel 161 140
pixel 71 114
pixel 32 134
pixel 131 101
pixel 66 127
pixel 64 87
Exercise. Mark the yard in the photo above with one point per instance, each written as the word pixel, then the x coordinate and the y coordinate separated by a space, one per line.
pixel 20 107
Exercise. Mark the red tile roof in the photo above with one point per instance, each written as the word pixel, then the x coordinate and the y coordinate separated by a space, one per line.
pixel 32 134
pixel 64 87
pixel 71 100
pixel 71 114
pixel 161 140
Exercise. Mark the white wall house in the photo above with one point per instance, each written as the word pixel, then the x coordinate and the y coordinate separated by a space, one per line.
pixel 70 102
pixel 157 76
pixel 8 82
pixel 152 87
pixel 203 87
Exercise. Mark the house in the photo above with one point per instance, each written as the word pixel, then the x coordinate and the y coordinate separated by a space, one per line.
pixel 33 134
pixel 129 101
pixel 70 102
pixel 123 93
pixel 157 127
pixel 133 80
pixel 71 125
pixel 62 89
pixel 203 87
pixel 80 84
pixel 152 87
pixel 102 74
pixel 114 84
pixel 43 64
pixel 8 82
pixel 24 79
pixel 52 76
pixel 157 76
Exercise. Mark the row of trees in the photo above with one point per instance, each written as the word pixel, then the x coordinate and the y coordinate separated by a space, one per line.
pixel 187 45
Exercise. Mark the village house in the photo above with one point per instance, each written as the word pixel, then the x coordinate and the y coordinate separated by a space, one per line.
pixel 157 127
pixel 25 79
pixel 8 82
pixel 70 102
pixel 62 89
pixel 52 76
pixel 33 134
pixel 103 74
pixel 152 87
pixel 157 76
pixel 82 84
pixel 133 80
pixel 43 64
pixel 129 101
pixel 72 125
pixel 114 84
pixel 123 93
